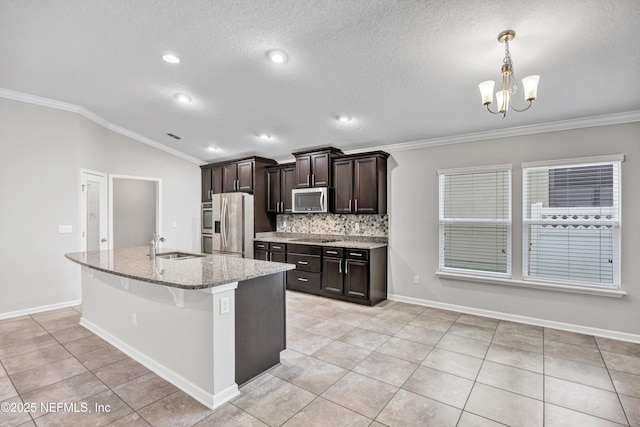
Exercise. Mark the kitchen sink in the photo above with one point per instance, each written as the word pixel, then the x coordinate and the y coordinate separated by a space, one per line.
pixel 177 255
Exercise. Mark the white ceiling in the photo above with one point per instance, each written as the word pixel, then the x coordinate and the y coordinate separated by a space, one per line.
pixel 406 70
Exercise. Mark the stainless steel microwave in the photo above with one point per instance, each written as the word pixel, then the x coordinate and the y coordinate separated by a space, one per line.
pixel 310 200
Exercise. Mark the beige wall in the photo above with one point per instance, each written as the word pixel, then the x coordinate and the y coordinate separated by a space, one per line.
pixel 41 153
pixel 413 227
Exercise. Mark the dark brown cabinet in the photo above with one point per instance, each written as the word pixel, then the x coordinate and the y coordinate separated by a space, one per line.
pixel 211 182
pixel 307 275
pixel 360 183
pixel 346 272
pixel 280 182
pixel 313 168
pixel 238 176
pixel 265 251
pixel 247 175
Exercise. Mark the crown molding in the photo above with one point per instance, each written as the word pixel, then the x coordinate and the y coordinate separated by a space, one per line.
pixel 73 108
pixel 586 122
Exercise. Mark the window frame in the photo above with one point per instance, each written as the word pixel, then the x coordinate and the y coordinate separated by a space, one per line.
pixel 616 161
pixel 442 222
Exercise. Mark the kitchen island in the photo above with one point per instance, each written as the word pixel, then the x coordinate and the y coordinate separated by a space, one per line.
pixel 205 323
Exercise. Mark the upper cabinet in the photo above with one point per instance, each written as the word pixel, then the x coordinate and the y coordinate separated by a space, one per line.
pixel 360 183
pixel 313 168
pixel 280 181
pixel 238 176
pixel 211 181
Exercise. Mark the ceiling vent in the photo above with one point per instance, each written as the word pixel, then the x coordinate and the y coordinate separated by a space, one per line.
pixel 174 136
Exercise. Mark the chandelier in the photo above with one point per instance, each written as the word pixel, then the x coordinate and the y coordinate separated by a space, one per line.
pixel 505 95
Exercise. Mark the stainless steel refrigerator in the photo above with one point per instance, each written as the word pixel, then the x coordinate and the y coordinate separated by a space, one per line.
pixel 227 225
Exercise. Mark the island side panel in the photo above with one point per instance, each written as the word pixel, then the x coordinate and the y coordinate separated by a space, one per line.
pixel 260 325
pixel 145 321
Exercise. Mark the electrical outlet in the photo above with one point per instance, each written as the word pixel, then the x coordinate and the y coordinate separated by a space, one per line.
pixel 416 280
pixel 357 226
pixel 174 224
pixel 284 224
pixel 134 319
pixel 224 305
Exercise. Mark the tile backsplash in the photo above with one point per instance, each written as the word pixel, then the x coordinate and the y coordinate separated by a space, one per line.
pixel 369 225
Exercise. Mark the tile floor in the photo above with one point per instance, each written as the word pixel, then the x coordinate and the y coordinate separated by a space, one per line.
pixel 394 364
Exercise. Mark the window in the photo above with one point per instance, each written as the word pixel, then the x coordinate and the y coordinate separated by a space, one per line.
pixel 571 222
pixel 475 221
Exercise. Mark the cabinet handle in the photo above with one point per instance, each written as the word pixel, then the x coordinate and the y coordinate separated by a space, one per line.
pixel 332 252
pixel 308 185
pixel 349 205
pixel 313 179
pixel 356 205
pixel 302 279
pixel 270 256
pixel 354 254
pixel 303 262
pixel 346 267
pixel 340 267
pixel 260 246
pixel 277 247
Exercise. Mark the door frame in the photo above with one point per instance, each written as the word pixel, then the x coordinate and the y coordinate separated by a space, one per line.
pixel 104 223
pixel 158 182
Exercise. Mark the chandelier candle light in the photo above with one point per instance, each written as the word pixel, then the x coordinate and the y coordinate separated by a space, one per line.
pixel 530 83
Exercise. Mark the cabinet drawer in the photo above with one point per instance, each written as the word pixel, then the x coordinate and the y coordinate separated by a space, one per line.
pixel 278 247
pixel 357 254
pixel 304 249
pixel 303 279
pixel 333 252
pixel 305 262
pixel 260 246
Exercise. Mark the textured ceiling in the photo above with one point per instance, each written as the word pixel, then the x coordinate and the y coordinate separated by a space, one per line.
pixel 405 70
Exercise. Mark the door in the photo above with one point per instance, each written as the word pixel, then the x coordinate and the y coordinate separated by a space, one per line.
pixel 343 181
pixel 356 280
pixel 94 218
pixel 320 170
pixel 273 190
pixel 332 275
pixel 231 222
pixel 365 186
pixel 229 178
pixel 288 181
pixel 206 184
pixel 303 171
pixel 245 176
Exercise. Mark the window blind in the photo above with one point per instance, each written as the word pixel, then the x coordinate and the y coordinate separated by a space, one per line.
pixel 571 224
pixel 475 221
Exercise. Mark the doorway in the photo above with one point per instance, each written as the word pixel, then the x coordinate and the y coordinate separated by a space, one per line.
pixel 135 206
pixel 93 211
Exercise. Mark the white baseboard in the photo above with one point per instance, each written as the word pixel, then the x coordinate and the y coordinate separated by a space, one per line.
pixel 605 333
pixel 211 401
pixel 40 309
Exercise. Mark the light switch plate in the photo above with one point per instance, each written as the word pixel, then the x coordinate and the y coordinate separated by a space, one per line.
pixel 65 229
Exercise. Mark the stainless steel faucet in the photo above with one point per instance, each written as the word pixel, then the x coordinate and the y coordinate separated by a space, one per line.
pixel 154 245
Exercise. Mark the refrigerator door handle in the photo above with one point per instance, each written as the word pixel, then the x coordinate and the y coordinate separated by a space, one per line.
pixel 223 228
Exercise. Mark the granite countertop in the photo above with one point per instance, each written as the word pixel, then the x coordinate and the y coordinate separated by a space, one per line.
pixel 341 241
pixel 193 273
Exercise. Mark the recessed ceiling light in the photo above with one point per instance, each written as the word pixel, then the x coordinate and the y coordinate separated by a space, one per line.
pixel 172 59
pixel 212 148
pixel 277 56
pixel 182 97
pixel 343 118
pixel 264 136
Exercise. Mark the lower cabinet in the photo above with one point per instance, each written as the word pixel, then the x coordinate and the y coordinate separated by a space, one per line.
pixel 265 251
pixel 346 272
pixel 355 275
